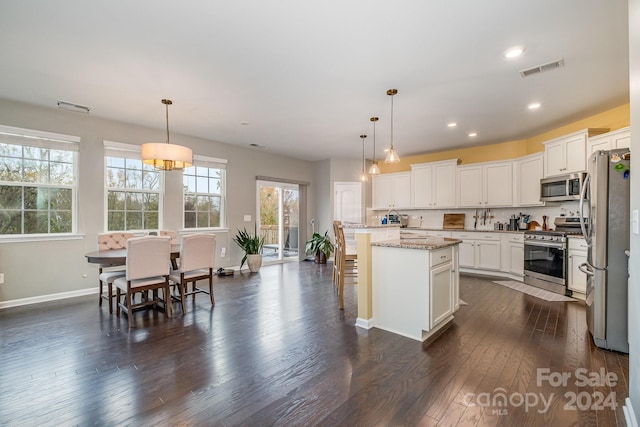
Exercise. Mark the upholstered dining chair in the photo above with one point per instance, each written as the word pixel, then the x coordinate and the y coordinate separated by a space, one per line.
pixel 106 274
pixel 197 256
pixel 147 269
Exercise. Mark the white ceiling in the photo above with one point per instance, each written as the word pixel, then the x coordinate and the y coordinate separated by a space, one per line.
pixel 307 76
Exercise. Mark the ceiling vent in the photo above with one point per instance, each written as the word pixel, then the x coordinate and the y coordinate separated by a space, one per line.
pixel 541 68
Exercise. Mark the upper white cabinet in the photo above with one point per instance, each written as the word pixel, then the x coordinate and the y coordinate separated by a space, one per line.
pixel 485 185
pixel 620 138
pixel 530 171
pixel 568 153
pixel 392 191
pixel 433 185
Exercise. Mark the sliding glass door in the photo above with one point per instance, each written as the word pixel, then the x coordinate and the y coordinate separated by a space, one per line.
pixel 278 220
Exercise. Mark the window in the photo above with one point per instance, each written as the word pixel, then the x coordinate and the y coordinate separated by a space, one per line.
pixel 133 190
pixel 204 193
pixel 37 182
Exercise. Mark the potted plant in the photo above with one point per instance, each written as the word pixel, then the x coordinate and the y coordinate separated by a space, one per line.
pixel 251 244
pixel 321 246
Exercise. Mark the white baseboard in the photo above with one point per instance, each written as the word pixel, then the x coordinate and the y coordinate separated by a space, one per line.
pixel 629 414
pixel 364 323
pixel 47 298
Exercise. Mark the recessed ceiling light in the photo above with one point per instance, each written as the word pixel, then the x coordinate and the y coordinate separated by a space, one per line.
pixel 244 123
pixel 513 52
pixel 472 134
pixel 452 124
pixel 534 106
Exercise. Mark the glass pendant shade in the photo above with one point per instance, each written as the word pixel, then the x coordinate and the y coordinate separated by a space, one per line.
pixel 363 175
pixel 392 154
pixel 374 169
pixel 166 156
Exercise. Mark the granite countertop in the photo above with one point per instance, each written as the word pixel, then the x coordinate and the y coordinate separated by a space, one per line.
pixel 354 225
pixel 424 243
pixel 464 230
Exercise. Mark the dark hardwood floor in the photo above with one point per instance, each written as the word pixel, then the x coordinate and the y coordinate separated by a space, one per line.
pixel 275 350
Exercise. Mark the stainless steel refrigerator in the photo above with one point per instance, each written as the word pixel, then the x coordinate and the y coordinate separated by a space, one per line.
pixel 604 208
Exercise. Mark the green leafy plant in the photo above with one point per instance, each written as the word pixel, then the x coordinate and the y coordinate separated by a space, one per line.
pixel 250 243
pixel 320 244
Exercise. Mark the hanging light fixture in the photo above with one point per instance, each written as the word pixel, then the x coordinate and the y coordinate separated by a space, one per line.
pixel 166 156
pixel 392 155
pixel 363 175
pixel 374 169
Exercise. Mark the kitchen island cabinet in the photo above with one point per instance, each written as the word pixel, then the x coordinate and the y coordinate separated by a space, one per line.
pixel 415 285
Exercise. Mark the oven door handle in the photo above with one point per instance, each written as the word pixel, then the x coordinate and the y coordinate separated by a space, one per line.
pixel 585 268
pixel 543 244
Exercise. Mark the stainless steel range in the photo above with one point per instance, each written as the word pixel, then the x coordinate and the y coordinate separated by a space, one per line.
pixel 545 255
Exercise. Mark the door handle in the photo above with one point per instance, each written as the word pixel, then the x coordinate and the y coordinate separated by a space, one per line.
pixel 584 268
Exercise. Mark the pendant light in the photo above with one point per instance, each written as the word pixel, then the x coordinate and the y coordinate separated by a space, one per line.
pixel 363 175
pixel 166 156
pixel 374 169
pixel 392 155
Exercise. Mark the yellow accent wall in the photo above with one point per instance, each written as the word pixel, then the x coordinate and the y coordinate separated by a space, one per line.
pixel 613 119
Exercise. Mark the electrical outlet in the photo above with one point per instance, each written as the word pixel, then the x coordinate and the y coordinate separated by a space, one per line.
pixel 223 252
pixel 1 278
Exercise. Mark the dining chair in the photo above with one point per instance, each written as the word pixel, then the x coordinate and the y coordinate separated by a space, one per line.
pixel 147 269
pixel 108 242
pixel 197 256
pixel 336 224
pixel 170 233
pixel 347 266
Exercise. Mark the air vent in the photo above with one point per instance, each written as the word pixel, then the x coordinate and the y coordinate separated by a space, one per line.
pixel 76 108
pixel 541 68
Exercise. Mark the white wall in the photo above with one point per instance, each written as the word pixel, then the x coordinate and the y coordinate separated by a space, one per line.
pixel 634 264
pixel 35 269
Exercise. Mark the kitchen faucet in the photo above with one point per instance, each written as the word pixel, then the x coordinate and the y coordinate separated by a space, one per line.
pixel 389 213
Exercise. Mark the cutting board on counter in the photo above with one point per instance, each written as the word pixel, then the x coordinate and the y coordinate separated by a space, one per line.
pixel 453 222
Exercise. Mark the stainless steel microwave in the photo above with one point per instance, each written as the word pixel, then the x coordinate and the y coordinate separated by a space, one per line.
pixel 562 187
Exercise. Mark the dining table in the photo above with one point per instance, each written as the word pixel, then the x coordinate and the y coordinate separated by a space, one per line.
pixel 116 257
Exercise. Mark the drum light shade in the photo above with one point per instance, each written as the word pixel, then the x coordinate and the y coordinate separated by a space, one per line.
pixel 166 156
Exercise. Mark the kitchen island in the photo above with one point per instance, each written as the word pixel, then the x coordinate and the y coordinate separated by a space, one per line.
pixel 414 285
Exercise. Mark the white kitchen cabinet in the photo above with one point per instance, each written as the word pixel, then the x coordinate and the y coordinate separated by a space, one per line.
pixel 620 138
pixel 513 254
pixel 530 170
pixel 481 251
pixel 577 280
pixel 485 185
pixel 392 191
pixel 442 293
pixel 433 185
pixel 568 154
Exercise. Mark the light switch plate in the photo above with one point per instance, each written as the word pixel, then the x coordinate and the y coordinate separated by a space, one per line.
pixel 247 218
pixel 634 222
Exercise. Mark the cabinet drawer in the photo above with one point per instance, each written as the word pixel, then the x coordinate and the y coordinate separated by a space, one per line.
pixel 440 256
pixel 516 238
pixel 487 236
pixel 577 243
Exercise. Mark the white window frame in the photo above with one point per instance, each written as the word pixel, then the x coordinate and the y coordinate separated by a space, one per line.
pixel 129 151
pixel 212 163
pixel 47 140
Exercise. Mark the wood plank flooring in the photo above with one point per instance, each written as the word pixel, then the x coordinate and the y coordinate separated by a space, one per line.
pixel 275 350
